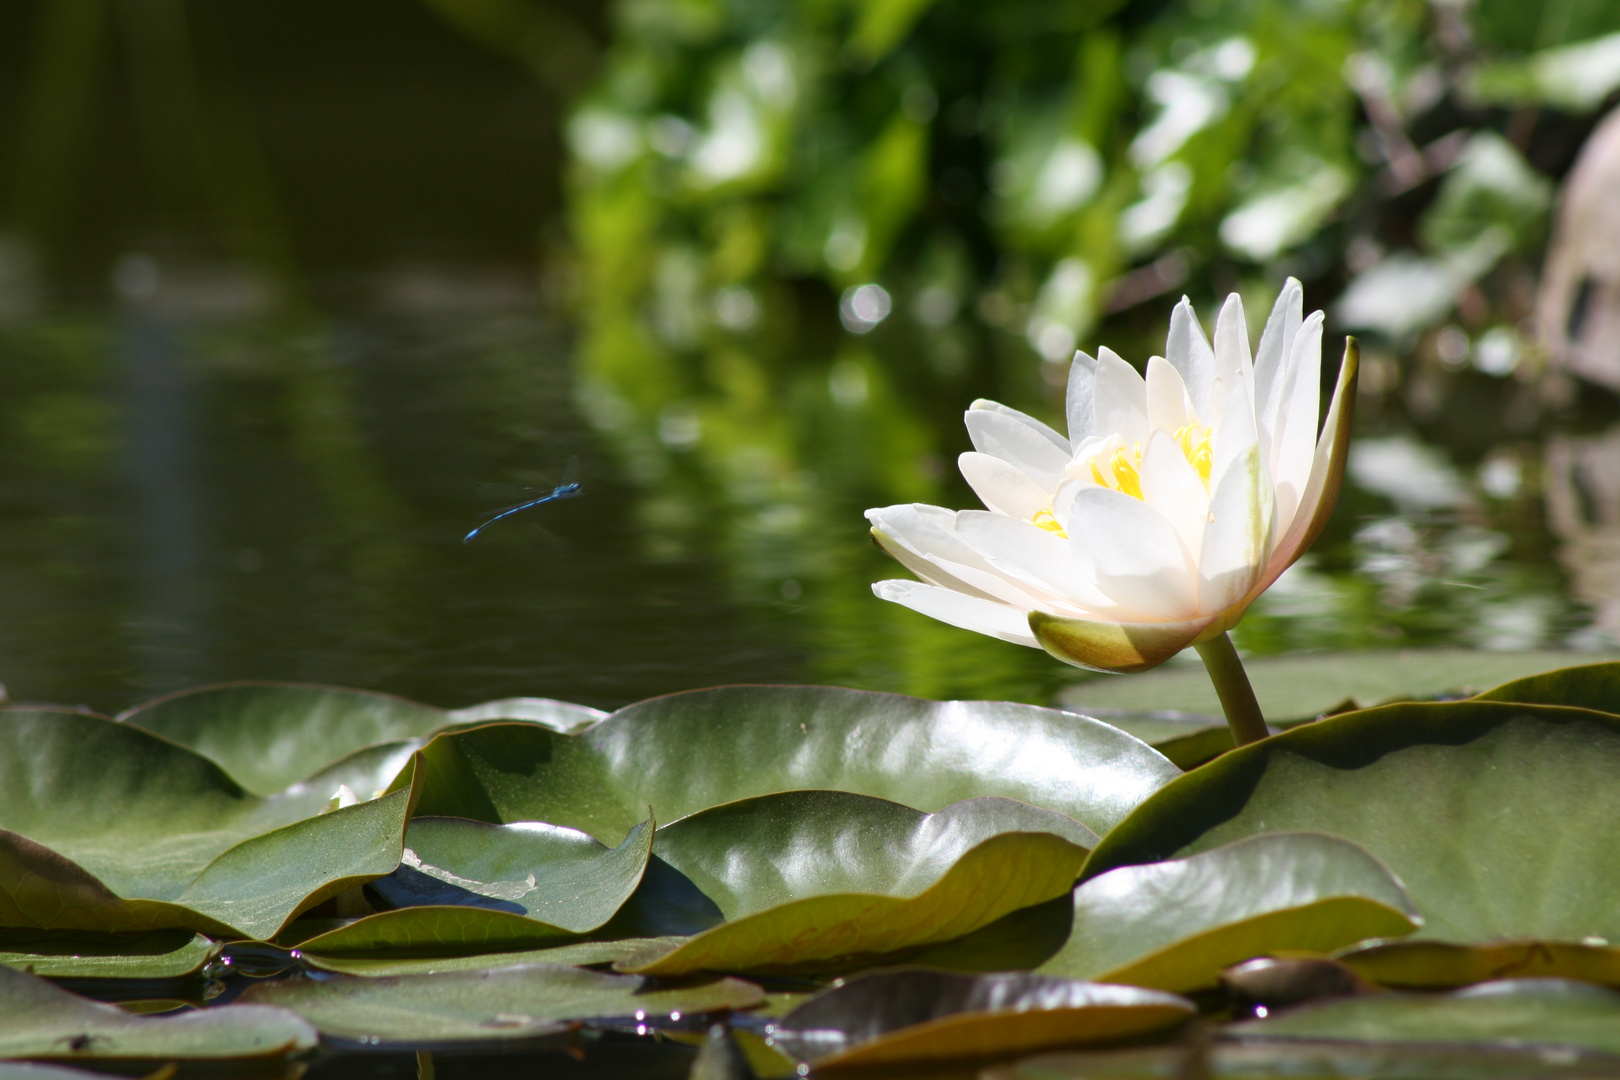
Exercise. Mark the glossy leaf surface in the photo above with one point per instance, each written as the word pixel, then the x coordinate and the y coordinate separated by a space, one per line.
pixel 269 736
pixel 1495 816
pixel 40 1020
pixel 152 954
pixel 1555 1012
pixel 687 752
pixel 891 1018
pixel 106 827
pixel 376 963
pixel 562 716
pixel 519 1002
pixel 1175 925
pixel 818 876
pixel 1443 964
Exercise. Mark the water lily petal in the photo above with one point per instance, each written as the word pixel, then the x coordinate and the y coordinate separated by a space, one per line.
pixel 931 548
pixel 1237 538
pixel 1172 487
pixel 1002 436
pixel 1140 564
pixel 1077 402
pixel 1273 363
pixel 1327 466
pixel 1120 405
pixel 957 609
pixel 1111 646
pixel 1188 351
pixel 1027 420
pixel 1234 370
pixel 1041 559
pixel 1169 407
pixel 1297 420
pixel 1001 486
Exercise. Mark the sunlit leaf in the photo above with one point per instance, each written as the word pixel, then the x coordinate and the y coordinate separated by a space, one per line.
pixel 1175 925
pixel 39 1020
pixel 106 827
pixel 562 716
pixel 519 1002
pixel 822 876
pixel 891 1018
pixel 687 752
pixel 69 954
pixel 1438 964
pixel 1496 816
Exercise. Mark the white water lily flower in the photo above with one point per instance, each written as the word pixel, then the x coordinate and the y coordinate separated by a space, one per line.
pixel 1175 501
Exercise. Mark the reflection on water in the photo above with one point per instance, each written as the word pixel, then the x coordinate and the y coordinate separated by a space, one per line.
pixel 196 490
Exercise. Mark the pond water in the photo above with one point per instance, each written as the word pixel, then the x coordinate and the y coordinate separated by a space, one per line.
pixel 197 488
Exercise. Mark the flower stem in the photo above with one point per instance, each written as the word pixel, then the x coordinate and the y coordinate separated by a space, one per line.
pixel 1232 685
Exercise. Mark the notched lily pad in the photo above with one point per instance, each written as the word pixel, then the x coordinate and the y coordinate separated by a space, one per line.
pixel 688 752
pixel 106 827
pixel 378 963
pixel 524 1001
pixel 467 886
pixel 820 877
pixel 69 954
pixel 891 1018
pixel 39 1020
pixel 1496 816
pixel 1176 925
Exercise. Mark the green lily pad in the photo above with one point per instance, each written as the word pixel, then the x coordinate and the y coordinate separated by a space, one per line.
pixel 1426 965
pixel 563 716
pixel 1554 1012
pixel 815 877
pixel 375 963
pixel 524 1001
pixel 1590 686
pixel 69 954
pixel 1175 925
pixel 35 1070
pixel 892 1018
pixel 1496 816
pixel 1304 686
pixel 466 886
pixel 106 827
pixel 269 736
pixel 39 1020
pixel 687 752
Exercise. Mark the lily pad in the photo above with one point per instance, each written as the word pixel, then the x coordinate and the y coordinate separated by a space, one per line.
pixel 1175 925
pixel 1441 964
pixel 1552 1012
pixel 525 1001
pixel 687 752
pixel 1589 686
pixel 151 954
pixel 375 963
pixel 467 886
pixel 268 736
pixel 1496 816
pixel 563 716
pixel 1305 686
pixel 815 877
pixel 39 1020
pixel 892 1018
pixel 106 827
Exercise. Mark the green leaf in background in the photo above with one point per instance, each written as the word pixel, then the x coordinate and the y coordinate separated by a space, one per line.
pixel 815 877
pixel 346 960
pixel 269 736
pixel 891 1018
pixel 466 886
pixel 563 716
pixel 67 954
pixel 1303 687
pixel 687 752
pixel 106 827
pixel 1554 1012
pixel 1175 925
pixel 1496 816
pixel 1590 686
pixel 1425 965
pixel 519 1002
pixel 39 1020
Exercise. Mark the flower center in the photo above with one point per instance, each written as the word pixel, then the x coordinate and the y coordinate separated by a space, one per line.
pixel 1194 441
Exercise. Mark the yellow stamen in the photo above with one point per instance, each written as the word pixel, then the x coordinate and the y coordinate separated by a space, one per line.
pixel 1194 440
pixel 1125 468
pixel 1044 519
